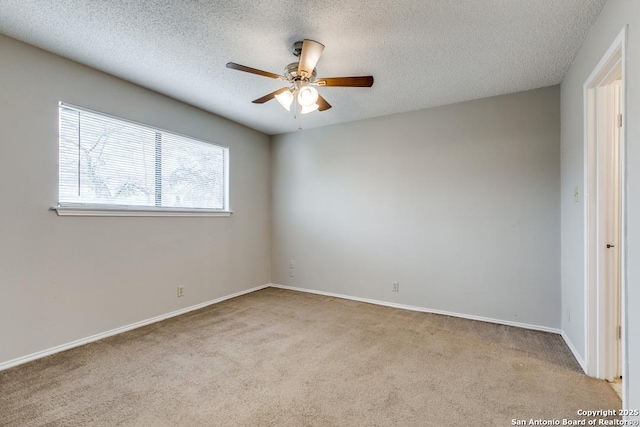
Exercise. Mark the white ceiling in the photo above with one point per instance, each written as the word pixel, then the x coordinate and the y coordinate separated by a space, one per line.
pixel 422 53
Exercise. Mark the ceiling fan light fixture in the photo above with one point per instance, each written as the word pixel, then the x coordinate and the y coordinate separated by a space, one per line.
pixel 285 99
pixel 307 96
pixel 302 79
pixel 309 109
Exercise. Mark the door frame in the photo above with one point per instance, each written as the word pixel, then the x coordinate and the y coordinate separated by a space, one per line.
pixel 598 313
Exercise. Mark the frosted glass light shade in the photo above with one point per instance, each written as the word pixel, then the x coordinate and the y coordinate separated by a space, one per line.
pixel 307 96
pixel 285 99
pixel 310 109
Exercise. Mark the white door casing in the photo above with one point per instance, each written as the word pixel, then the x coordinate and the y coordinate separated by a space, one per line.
pixel 605 193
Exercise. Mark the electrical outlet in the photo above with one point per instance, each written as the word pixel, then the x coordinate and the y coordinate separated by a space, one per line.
pixel 291 272
pixel 395 287
pixel 180 291
pixel 292 264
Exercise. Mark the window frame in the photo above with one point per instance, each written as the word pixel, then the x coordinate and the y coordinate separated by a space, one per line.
pixel 96 209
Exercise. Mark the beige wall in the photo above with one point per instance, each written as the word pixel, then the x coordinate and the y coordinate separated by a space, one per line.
pixel 67 278
pixel 615 15
pixel 460 204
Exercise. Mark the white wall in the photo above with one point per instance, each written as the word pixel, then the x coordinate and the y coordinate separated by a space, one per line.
pixel 460 204
pixel 66 278
pixel 612 19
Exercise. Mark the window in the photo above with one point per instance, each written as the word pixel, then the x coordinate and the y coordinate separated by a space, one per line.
pixel 112 164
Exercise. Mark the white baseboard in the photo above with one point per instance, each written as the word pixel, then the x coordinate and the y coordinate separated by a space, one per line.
pixel 579 358
pixel 423 309
pixel 96 337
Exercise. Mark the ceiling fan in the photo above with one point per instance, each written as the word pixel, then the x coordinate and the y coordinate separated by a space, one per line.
pixel 302 80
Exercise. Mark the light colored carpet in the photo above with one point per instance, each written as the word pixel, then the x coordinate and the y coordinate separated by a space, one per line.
pixel 283 358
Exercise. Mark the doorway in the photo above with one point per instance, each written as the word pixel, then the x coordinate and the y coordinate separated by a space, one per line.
pixel 605 246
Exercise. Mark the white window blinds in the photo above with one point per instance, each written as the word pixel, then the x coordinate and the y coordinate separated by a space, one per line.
pixel 107 161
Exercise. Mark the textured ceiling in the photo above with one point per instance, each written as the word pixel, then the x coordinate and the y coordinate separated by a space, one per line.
pixel 422 53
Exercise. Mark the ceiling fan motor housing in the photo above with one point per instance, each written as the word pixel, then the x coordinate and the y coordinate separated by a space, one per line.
pixel 291 73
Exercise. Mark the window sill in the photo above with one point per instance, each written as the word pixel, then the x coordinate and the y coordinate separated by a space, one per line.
pixel 98 210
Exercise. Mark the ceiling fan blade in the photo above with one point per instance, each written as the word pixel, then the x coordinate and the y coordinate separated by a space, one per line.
pixel 270 96
pixel 322 104
pixel 361 81
pixel 309 57
pixel 246 69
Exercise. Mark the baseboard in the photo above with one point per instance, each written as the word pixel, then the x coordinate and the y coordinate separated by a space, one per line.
pixel 423 309
pixel 579 358
pixel 96 337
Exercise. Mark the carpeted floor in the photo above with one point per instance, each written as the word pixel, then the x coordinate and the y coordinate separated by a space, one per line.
pixel 283 358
